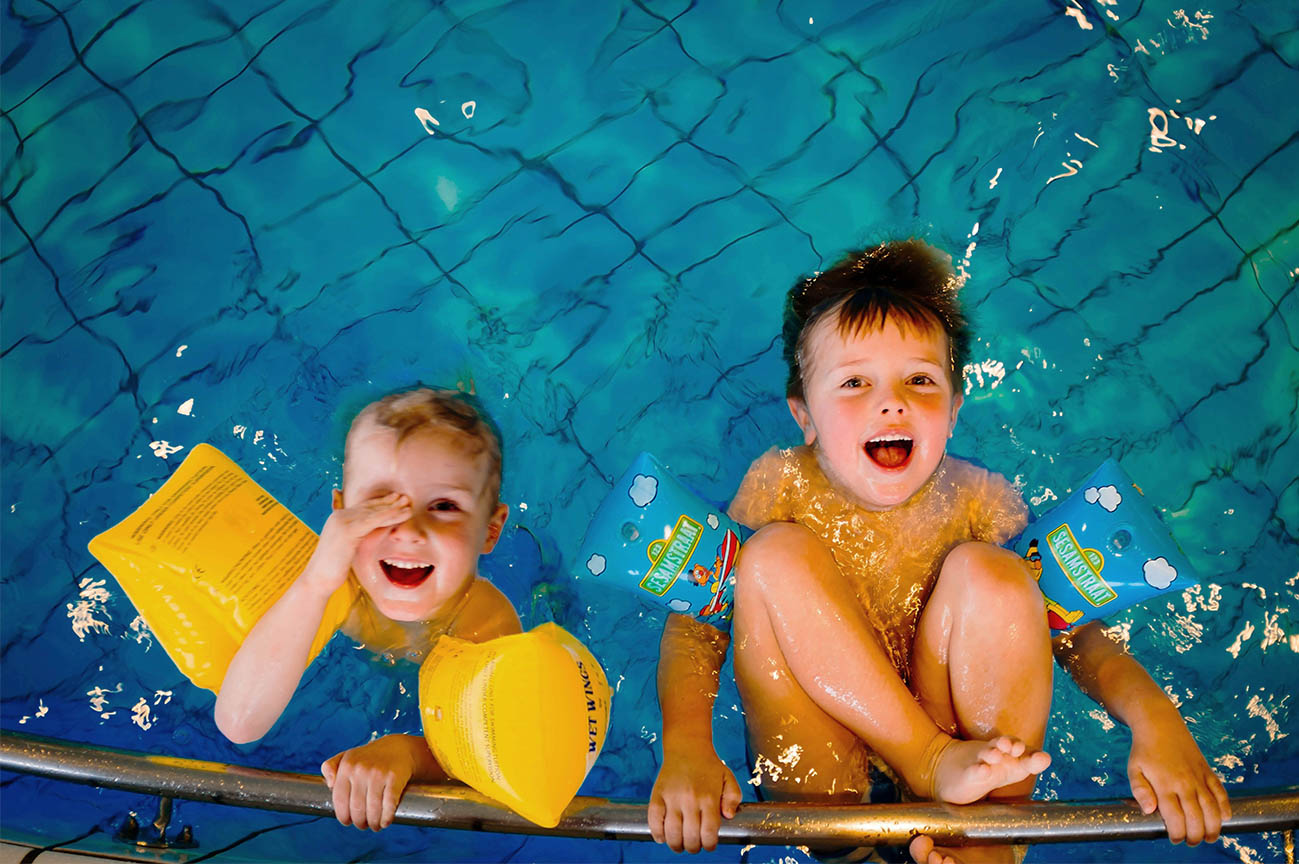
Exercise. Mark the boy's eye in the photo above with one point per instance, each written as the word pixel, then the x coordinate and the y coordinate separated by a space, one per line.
pixel 854 382
pixel 444 505
pixel 921 380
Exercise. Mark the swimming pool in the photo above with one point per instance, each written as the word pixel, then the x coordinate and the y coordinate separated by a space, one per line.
pixel 238 204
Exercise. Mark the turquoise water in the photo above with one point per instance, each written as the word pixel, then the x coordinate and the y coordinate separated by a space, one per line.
pixel 237 204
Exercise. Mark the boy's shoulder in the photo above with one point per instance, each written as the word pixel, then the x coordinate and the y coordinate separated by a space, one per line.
pixel 963 473
pixel 778 462
pixel 996 509
pixel 486 614
pixel 764 491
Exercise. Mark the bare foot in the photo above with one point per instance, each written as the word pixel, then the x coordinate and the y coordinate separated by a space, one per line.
pixel 969 770
pixel 923 851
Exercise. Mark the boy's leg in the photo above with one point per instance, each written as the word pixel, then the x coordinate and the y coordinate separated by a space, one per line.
pixel 798 752
pixel 814 679
pixel 982 665
pixel 982 660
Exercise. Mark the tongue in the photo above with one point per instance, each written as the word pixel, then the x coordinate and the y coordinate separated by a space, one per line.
pixel 890 455
pixel 406 576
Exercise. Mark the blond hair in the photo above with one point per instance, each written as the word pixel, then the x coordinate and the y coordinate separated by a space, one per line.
pixel 451 411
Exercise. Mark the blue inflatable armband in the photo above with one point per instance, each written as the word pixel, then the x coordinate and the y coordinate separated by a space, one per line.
pixel 654 537
pixel 1102 549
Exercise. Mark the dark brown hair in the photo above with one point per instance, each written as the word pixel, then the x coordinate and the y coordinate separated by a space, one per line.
pixel 451 411
pixel 906 278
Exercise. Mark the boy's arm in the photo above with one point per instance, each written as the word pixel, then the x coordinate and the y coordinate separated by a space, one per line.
pixel 266 669
pixel 999 510
pixel 694 787
pixel 1165 768
pixel 368 781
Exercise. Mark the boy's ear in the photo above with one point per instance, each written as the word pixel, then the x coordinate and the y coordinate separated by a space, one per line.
pixel 957 401
pixel 337 499
pixel 803 418
pixel 495 524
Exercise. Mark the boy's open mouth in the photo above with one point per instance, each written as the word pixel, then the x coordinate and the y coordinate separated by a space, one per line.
pixel 889 451
pixel 407 574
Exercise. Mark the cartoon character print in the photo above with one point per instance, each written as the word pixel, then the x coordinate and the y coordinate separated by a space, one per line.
pixel 699 574
pixel 719 574
pixel 1057 617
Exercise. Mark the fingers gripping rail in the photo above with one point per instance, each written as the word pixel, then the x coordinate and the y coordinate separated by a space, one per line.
pixel 598 818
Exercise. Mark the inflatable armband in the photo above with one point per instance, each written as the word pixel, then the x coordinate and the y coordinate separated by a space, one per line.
pixel 520 718
pixel 1102 549
pixel 654 537
pixel 205 557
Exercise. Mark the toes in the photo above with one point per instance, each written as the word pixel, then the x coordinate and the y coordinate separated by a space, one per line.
pixel 993 754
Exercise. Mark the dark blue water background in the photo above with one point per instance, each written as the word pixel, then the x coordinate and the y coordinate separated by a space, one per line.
pixel 237 204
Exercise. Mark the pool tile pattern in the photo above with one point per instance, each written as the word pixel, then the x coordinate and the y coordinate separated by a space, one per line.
pixel 239 204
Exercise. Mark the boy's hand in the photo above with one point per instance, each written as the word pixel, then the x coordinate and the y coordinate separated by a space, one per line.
pixel 1168 773
pixel 330 562
pixel 692 793
pixel 368 781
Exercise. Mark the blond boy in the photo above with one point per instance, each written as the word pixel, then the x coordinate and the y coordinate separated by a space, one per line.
pixel 420 502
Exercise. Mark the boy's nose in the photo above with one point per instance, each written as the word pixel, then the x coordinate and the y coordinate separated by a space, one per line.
pixel 409 530
pixel 891 400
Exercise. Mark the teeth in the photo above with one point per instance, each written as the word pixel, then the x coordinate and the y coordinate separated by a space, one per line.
pixel 405 565
pixel 890 439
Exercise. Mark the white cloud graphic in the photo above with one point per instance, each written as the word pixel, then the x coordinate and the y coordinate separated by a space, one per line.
pixel 643 489
pixel 1159 573
pixel 1107 496
pixel 676 604
pixel 713 522
pixel 596 564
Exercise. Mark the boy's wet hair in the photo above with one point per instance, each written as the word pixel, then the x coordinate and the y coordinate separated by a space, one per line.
pixel 908 279
pixel 451 411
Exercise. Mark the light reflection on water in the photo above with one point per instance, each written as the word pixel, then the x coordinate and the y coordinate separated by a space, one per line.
pixel 241 213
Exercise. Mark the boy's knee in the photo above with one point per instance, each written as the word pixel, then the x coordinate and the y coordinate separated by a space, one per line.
pixel 998 576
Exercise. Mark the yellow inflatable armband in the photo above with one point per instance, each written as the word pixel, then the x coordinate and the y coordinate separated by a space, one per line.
pixel 520 718
pixel 205 557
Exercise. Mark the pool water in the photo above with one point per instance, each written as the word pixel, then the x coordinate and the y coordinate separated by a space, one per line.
pixel 267 213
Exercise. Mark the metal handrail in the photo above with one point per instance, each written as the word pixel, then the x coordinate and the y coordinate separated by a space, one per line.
pixel 599 818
